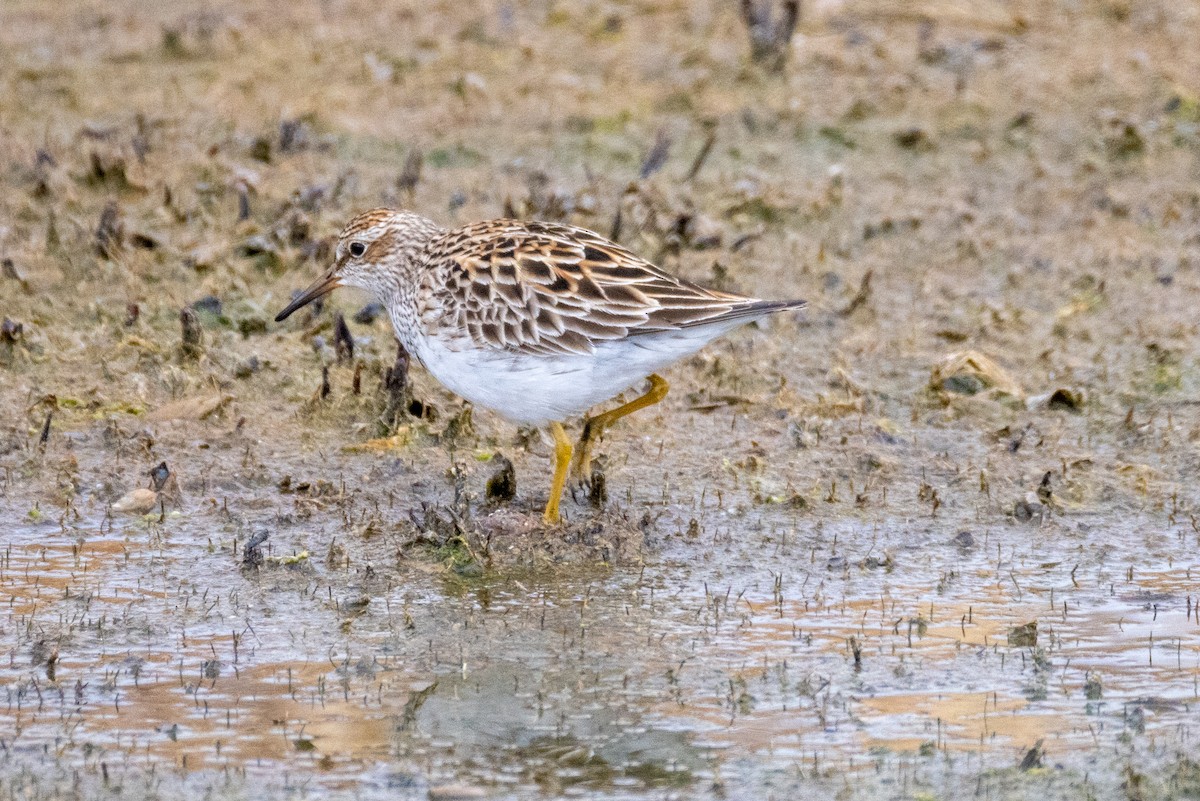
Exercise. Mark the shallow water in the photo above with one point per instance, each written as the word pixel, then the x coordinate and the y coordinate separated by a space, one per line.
pixel 723 663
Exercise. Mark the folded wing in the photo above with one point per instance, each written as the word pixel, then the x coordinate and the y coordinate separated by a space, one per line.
pixel 555 289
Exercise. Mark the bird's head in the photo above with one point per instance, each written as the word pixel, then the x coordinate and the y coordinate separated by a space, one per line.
pixel 373 252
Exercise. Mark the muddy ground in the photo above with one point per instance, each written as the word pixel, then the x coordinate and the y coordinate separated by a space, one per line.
pixel 935 537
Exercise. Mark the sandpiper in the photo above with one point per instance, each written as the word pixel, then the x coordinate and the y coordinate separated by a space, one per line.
pixel 537 321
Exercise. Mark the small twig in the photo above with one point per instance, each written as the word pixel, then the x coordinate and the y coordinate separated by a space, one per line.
pixel 657 156
pixel 191 334
pixel 615 233
pixel 45 437
pixel 395 384
pixel 705 150
pixel 9 270
pixel 861 297
pixel 343 342
pixel 110 232
pixel 325 387
pixel 770 38
pixel 243 193
pixel 411 176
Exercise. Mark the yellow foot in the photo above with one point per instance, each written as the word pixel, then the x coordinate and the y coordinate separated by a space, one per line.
pixel 594 427
pixel 562 460
pixel 581 464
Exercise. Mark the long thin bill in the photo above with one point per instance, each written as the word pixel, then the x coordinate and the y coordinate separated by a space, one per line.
pixel 322 286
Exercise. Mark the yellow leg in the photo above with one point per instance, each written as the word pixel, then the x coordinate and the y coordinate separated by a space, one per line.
pixel 593 427
pixel 562 459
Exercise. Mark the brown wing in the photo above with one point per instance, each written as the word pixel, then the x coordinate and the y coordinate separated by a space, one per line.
pixel 548 288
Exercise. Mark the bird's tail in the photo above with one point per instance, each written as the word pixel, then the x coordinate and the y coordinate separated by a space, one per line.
pixel 752 310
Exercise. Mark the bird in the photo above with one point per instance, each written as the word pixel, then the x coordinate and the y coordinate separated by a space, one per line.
pixel 537 321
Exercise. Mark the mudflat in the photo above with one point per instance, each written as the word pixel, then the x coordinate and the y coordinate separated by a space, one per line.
pixel 934 536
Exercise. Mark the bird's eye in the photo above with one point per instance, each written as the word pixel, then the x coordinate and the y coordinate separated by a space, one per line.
pixel 357 249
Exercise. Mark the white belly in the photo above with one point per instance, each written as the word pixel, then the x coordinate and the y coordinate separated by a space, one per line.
pixel 535 389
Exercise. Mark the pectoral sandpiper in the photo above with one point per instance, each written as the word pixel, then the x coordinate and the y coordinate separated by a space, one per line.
pixel 535 320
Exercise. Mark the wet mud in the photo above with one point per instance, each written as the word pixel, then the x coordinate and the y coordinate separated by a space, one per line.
pixel 934 537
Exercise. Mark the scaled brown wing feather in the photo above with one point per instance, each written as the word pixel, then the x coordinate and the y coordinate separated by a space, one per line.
pixel 547 288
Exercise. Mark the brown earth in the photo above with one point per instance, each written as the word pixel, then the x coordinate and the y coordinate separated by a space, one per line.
pixel 818 558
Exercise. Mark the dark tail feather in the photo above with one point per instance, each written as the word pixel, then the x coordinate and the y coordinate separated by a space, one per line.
pixel 772 306
pixel 751 311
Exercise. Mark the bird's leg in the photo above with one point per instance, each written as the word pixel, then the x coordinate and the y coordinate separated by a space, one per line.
pixel 562 460
pixel 593 427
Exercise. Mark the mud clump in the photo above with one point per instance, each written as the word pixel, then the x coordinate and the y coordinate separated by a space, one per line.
pixel 507 537
pixel 515 538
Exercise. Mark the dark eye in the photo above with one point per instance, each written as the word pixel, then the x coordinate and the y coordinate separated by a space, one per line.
pixel 357 249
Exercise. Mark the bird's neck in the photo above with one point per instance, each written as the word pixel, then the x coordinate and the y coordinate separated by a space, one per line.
pixel 400 294
pixel 402 309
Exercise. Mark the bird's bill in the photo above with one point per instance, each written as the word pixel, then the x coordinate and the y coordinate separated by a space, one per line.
pixel 322 286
